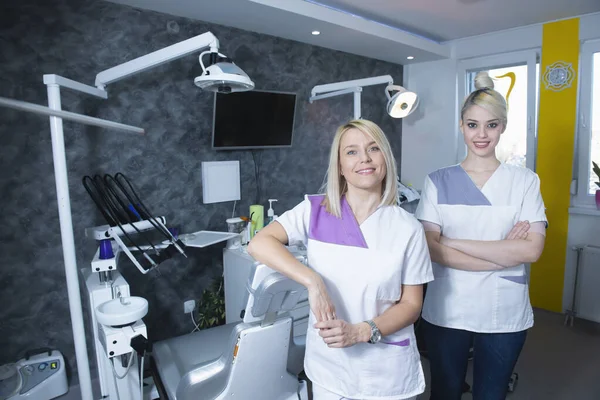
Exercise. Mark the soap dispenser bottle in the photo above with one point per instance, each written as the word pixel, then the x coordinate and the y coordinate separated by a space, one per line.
pixel 271 216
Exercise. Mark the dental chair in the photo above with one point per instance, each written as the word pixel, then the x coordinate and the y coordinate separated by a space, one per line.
pixel 246 360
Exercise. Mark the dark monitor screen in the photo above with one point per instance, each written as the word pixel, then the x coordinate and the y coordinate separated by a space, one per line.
pixel 253 119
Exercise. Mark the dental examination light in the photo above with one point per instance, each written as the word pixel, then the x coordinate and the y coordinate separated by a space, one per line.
pixel 399 105
pixel 219 76
pixel 223 76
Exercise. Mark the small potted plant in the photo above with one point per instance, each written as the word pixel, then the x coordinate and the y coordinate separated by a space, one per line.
pixel 597 172
pixel 211 310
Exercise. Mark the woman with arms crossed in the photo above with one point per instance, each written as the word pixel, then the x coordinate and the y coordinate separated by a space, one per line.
pixel 483 220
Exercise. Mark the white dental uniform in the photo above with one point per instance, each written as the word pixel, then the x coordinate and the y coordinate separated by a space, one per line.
pixel 489 301
pixel 364 268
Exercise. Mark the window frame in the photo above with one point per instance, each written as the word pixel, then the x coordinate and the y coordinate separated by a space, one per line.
pixel 582 199
pixel 525 57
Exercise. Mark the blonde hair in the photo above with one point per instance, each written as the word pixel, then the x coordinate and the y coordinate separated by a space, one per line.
pixel 486 97
pixel 336 186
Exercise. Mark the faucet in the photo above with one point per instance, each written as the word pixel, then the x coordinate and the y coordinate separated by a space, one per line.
pixel 117 294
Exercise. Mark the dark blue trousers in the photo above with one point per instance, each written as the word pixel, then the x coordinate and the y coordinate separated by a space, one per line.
pixel 494 358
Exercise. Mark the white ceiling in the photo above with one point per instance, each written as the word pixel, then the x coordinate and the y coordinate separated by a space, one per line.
pixel 444 20
pixel 389 30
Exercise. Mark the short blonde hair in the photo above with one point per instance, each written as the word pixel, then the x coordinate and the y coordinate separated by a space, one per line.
pixel 336 186
pixel 486 97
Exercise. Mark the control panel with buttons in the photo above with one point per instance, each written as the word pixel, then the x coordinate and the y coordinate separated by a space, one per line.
pixel 35 373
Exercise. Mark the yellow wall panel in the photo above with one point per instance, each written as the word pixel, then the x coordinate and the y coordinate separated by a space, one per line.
pixel 555 146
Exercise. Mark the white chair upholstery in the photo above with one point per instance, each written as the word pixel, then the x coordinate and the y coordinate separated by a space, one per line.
pixel 247 360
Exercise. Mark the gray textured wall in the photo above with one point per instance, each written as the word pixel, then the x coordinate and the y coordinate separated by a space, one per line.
pixel 78 38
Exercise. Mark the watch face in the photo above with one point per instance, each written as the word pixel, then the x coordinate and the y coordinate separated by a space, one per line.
pixel 376 336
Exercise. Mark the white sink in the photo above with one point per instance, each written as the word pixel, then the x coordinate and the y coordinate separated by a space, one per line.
pixel 122 311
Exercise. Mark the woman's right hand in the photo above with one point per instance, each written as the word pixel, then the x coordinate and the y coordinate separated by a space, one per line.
pixel 519 231
pixel 320 303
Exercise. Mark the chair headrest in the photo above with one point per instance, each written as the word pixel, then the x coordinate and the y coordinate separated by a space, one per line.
pixel 270 291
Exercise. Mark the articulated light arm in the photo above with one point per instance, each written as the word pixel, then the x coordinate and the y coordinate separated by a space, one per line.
pixel 333 94
pixel 399 105
pixel 157 58
pixel 330 87
pixel 354 86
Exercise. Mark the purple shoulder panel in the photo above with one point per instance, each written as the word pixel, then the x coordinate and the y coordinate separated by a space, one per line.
pixel 327 228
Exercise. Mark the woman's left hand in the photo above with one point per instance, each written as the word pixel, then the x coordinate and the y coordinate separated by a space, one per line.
pixel 338 333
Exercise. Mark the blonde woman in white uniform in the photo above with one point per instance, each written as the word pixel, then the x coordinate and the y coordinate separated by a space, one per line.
pixel 483 221
pixel 367 262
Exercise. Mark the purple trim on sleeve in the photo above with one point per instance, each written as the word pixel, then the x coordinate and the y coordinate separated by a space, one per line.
pixel 402 343
pixel 455 187
pixel 327 228
pixel 521 279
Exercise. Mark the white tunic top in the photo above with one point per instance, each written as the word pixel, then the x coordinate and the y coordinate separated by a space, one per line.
pixel 364 268
pixel 494 301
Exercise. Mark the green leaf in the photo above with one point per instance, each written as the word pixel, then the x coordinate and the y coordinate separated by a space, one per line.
pixel 212 305
pixel 596 169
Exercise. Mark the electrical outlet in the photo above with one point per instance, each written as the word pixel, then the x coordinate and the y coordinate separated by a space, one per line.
pixel 189 306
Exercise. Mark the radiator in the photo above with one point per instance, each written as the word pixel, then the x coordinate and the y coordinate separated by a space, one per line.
pixel 586 293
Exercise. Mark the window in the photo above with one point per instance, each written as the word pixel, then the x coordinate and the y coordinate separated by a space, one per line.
pixel 595 123
pixel 588 133
pixel 512 148
pixel 521 71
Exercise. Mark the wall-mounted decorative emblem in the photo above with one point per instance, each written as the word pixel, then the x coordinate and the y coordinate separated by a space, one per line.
pixel 559 76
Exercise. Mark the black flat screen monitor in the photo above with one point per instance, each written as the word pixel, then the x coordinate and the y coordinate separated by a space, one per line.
pixel 253 120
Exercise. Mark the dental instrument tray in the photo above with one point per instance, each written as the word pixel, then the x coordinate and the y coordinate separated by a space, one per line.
pixel 197 239
pixel 205 238
pixel 131 224
pixel 134 228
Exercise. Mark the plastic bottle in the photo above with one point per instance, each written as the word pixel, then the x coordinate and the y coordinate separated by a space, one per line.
pixel 271 216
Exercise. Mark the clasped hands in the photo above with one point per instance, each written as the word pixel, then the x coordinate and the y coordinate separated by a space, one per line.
pixel 336 333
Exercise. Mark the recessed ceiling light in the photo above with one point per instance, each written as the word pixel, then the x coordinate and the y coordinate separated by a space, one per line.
pixel 316 33
pixel 410 58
